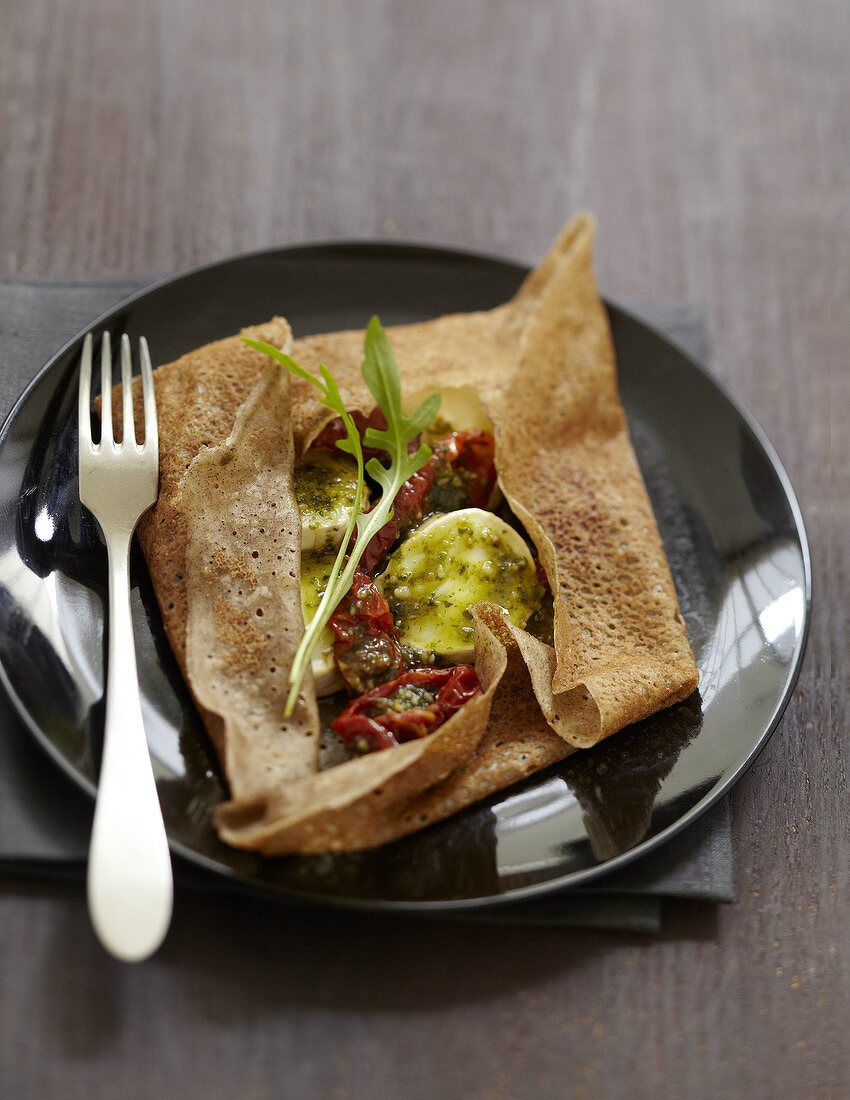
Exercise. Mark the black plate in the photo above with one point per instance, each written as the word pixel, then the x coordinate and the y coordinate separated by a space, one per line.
pixel 730 524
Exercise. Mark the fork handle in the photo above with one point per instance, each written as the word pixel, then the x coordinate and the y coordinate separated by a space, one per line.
pixel 130 885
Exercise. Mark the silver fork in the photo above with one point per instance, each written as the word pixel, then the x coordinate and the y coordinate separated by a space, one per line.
pixel 130 888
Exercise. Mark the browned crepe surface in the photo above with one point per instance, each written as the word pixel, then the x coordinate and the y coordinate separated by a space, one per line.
pixel 243 549
pixel 567 468
pixel 197 398
pixel 543 365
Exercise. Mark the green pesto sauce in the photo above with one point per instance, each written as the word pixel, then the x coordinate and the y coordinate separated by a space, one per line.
pixel 325 489
pixel 408 697
pixel 439 428
pixel 449 492
pixel 316 568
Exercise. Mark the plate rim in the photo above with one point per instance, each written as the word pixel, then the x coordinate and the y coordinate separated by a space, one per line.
pixel 562 883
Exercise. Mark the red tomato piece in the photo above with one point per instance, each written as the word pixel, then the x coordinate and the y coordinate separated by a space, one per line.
pixel 412 705
pixel 366 648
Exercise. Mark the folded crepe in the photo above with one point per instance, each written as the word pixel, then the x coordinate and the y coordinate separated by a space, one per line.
pixel 223 548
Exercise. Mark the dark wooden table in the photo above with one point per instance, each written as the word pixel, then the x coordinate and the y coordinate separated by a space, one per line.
pixel 713 142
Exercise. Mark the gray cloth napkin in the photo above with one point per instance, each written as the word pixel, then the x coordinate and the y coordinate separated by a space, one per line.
pixel 45 820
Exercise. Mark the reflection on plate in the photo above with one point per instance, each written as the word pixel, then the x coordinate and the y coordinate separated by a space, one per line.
pixel 727 515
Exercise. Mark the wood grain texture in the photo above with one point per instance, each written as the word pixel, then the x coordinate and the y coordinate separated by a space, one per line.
pixel 713 143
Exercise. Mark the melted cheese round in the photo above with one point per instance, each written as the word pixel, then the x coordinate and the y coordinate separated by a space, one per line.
pixel 325 489
pixel 447 565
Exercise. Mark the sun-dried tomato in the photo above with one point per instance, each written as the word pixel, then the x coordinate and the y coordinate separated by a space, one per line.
pixel 406 708
pixel 470 458
pixel 366 647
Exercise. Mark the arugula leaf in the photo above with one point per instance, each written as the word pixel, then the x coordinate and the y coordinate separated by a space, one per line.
pixel 380 372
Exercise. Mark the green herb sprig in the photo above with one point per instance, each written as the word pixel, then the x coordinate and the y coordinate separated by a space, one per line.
pixel 380 372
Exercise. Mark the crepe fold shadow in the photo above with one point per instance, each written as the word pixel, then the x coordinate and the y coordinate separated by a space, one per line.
pixel 223 548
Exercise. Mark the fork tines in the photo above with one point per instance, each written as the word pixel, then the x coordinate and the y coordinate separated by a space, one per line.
pixel 84 409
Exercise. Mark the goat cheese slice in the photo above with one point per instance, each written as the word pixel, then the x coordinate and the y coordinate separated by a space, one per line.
pixel 450 563
pixel 325 489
